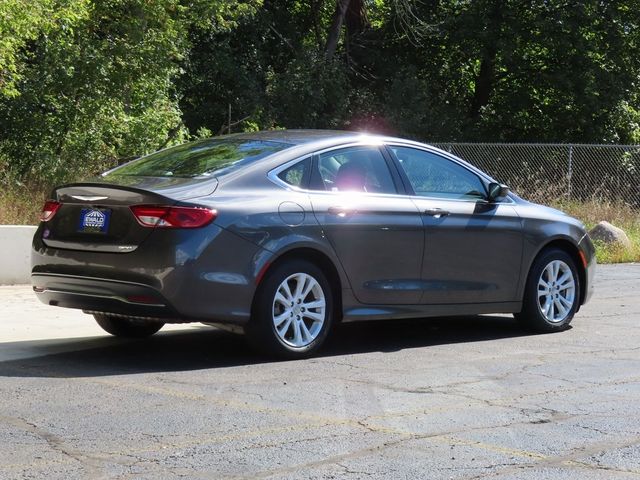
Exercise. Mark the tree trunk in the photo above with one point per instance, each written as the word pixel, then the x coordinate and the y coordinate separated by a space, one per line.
pixel 485 80
pixel 356 20
pixel 335 28
pixel 316 6
pixel 483 84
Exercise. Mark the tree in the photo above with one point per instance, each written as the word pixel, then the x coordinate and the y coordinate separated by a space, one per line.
pixel 99 85
pixel 84 84
pixel 22 21
pixel 550 71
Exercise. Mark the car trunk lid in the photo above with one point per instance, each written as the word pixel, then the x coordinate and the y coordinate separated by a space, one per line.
pixel 96 216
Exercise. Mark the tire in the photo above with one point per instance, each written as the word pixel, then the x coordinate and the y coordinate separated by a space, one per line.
pixel 127 327
pixel 286 323
pixel 552 292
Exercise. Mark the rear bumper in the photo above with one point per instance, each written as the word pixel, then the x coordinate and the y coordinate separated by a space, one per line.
pixel 197 275
pixel 98 295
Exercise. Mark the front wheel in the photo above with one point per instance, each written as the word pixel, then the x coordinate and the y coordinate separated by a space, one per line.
pixel 552 292
pixel 127 327
pixel 293 311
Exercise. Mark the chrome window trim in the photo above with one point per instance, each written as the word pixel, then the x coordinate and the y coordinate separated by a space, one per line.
pixel 445 199
pixel 272 175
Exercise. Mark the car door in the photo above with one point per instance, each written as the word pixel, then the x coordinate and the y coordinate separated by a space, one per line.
pixel 473 248
pixel 376 233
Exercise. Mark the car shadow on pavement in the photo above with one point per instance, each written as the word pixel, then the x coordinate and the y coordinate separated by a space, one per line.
pixel 206 347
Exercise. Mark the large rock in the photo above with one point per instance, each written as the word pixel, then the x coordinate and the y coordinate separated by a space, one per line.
pixel 607 233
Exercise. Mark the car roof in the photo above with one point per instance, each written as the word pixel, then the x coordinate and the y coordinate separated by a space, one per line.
pixel 304 141
pixel 302 136
pixel 310 139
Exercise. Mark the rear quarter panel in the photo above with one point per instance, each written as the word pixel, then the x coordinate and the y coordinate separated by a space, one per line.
pixel 272 218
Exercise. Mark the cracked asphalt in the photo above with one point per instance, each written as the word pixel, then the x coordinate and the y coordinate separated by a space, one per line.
pixel 461 398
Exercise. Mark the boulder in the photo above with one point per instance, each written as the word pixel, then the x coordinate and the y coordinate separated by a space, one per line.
pixel 607 233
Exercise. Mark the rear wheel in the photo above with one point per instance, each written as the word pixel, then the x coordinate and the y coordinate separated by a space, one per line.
pixel 293 310
pixel 127 327
pixel 552 292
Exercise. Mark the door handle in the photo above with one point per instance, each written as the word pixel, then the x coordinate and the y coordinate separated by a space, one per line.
pixel 436 212
pixel 341 211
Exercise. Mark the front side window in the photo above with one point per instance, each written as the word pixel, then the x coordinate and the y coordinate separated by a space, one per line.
pixel 431 175
pixel 204 158
pixel 355 169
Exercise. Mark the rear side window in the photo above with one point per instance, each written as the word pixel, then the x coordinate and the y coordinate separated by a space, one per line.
pixel 356 169
pixel 298 174
pixel 431 175
pixel 204 158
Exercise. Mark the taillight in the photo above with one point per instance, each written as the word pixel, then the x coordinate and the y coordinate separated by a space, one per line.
pixel 49 210
pixel 172 217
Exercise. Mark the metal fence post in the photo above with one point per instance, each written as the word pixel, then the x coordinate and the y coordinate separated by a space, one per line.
pixel 570 172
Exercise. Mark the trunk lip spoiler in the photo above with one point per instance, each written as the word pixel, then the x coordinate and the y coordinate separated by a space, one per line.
pixel 183 189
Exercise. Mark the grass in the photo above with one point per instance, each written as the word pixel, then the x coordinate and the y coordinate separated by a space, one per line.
pixel 21 205
pixel 618 214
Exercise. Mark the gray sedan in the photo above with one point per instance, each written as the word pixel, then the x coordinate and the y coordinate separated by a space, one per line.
pixel 284 234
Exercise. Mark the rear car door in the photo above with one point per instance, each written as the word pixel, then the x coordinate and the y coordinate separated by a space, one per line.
pixel 473 248
pixel 376 233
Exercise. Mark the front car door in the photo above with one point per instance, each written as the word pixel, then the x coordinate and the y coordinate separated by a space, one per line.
pixel 473 248
pixel 376 233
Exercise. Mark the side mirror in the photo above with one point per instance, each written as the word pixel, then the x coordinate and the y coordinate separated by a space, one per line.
pixel 496 191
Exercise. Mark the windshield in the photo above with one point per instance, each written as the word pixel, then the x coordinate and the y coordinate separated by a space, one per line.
pixel 212 157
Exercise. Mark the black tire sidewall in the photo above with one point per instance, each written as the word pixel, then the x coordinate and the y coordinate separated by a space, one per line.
pixel 261 330
pixel 531 313
pixel 127 328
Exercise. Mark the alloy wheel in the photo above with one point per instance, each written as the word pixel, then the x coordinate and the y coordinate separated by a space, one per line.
pixel 556 291
pixel 299 310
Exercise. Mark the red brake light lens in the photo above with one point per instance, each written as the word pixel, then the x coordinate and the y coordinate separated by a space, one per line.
pixel 49 210
pixel 173 217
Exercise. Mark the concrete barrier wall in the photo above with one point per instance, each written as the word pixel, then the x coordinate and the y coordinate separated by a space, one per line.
pixel 15 254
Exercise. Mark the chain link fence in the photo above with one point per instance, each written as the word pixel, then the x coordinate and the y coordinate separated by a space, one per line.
pixel 548 172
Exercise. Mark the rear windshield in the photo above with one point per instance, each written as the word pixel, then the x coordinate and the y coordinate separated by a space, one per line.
pixel 204 158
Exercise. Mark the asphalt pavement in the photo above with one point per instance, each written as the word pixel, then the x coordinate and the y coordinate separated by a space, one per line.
pixel 460 398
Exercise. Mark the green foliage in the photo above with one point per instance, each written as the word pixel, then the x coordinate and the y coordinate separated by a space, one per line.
pixel 85 84
pixel 309 94
pixel 22 21
pixel 96 92
pixel 550 71
pixel 98 85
